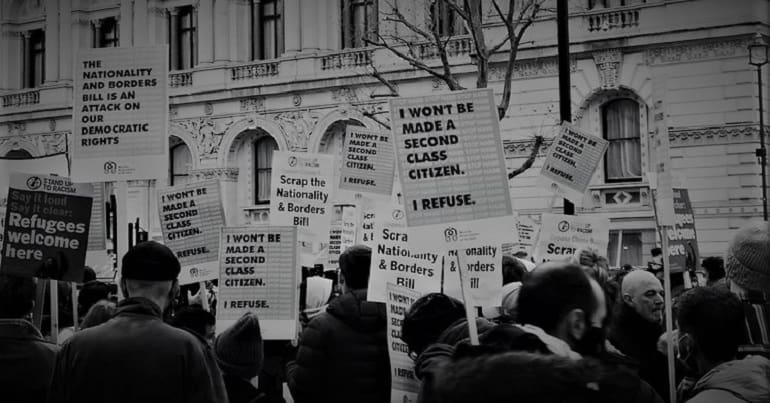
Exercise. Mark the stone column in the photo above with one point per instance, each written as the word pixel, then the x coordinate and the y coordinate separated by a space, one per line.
pixel 96 25
pixel 310 19
pixel 205 31
pixel 221 31
pixel 256 30
pixel 141 22
pixel 291 14
pixel 126 23
pixel 26 65
pixel 67 47
pixel 174 38
pixel 52 41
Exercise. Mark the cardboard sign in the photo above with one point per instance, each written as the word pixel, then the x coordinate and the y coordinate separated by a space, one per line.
pixel 482 272
pixel 451 168
pixel 46 227
pixel 120 114
pixel 97 233
pixel 571 162
pixel 55 164
pixel 683 252
pixel 349 224
pixel 190 217
pixel 335 240
pixel 404 384
pixel 302 196
pixel 563 235
pixel 259 273
pixel 528 232
pixel 663 191
pixel 367 162
pixel 396 260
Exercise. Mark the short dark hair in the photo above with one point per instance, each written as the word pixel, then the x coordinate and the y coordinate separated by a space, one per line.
pixel 513 270
pixel 538 378
pixel 88 274
pixel 98 313
pixel 715 267
pixel 656 251
pixel 91 293
pixel 428 318
pixel 193 318
pixel 715 319
pixel 551 291
pixel 354 264
pixel 17 296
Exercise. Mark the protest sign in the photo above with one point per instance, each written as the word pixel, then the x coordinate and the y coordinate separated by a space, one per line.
pixel 683 251
pixel 46 227
pixel 120 114
pixel 396 260
pixel 571 162
pixel 366 214
pixel 482 272
pixel 259 273
pixel 367 162
pixel 563 235
pixel 190 217
pixel 349 224
pixel 451 168
pixel 404 384
pixel 97 233
pixel 55 164
pixel 663 178
pixel 528 231
pixel 302 197
pixel 335 240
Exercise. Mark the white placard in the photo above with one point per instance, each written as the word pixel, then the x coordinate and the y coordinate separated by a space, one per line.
pixel 404 384
pixel 563 235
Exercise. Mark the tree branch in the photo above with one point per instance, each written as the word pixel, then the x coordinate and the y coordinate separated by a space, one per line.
pixel 441 49
pixel 373 117
pixel 505 100
pixel 387 83
pixel 530 160
pixel 401 19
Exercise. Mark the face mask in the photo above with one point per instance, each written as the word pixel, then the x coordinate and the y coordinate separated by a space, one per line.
pixel 593 342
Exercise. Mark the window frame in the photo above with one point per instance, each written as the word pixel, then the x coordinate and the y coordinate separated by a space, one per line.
pixel 349 37
pixel 605 135
pixel 259 19
pixel 100 39
pixel 36 37
pixel 268 169
pixel 172 174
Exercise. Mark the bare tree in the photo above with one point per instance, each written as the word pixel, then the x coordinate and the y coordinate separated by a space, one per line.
pixel 516 19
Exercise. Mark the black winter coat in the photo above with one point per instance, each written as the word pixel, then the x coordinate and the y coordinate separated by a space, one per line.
pixel 343 354
pixel 26 362
pixel 135 357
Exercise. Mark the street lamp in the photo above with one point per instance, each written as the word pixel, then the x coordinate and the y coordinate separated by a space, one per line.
pixel 758 57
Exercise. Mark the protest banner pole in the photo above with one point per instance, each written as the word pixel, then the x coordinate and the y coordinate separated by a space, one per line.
pixel 204 296
pixel 75 306
pixel 37 314
pixel 470 310
pixel 54 311
pixel 669 313
pixel 121 246
pixel 443 260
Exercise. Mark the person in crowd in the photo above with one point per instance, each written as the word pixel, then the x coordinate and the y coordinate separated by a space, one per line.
pixel 427 319
pixel 196 320
pixel 26 359
pixel 318 292
pixel 90 293
pixel 343 352
pixel 714 271
pixel 655 265
pixel 99 313
pixel 748 275
pixel 519 377
pixel 136 357
pixel 240 354
pixel 513 270
pixel 711 327
pixel 637 325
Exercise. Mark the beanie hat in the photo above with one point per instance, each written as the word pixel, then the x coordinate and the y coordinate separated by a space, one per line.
pixel 150 261
pixel 354 264
pixel 239 350
pixel 748 257
pixel 428 318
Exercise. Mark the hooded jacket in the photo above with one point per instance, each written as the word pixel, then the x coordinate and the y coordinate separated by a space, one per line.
pixel 135 357
pixel 26 362
pixel 739 381
pixel 343 354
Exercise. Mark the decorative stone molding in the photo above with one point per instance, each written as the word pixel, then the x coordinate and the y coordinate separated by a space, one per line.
pixel 36 144
pixel 345 94
pixel 296 99
pixel 696 51
pixel 208 108
pixel 253 104
pixel 228 174
pixel 541 67
pixel 17 128
pixel 173 112
pixel 689 136
pixel 52 125
pixel 608 65
pixel 522 148
pixel 207 133
pixel 297 126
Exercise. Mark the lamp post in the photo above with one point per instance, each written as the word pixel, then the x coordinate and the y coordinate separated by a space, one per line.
pixel 758 58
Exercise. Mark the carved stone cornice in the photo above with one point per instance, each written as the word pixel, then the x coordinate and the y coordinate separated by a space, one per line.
pixel 689 136
pixel 522 148
pixel 207 133
pixel 540 67
pixel 344 94
pixel 608 63
pixel 228 174
pixel 298 125
pixel 38 144
pixel 253 104
pixel 696 51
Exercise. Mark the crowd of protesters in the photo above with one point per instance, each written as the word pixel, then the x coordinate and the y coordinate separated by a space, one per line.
pixel 568 331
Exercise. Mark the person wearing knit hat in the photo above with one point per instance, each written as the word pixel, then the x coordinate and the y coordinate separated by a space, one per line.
pixel 240 354
pixel 748 276
pixel 135 356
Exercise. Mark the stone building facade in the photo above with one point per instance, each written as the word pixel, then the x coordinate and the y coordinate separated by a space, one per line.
pixel 251 76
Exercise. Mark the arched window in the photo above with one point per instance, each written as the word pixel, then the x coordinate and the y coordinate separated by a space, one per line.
pixel 179 165
pixel 263 161
pixel 359 22
pixel 620 126
pixel 334 137
pixel 19 154
pixel 444 19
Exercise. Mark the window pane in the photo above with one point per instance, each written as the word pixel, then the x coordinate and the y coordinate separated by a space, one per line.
pixel 181 160
pixel 263 160
pixel 621 127
pixel 630 249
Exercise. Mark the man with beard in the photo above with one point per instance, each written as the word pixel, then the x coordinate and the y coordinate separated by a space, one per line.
pixel 638 325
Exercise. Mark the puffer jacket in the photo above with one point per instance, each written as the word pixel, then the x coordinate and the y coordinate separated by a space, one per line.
pixel 739 381
pixel 343 354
